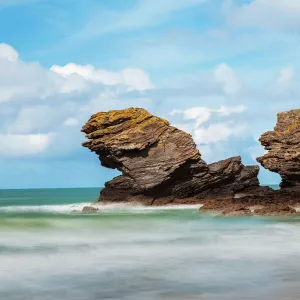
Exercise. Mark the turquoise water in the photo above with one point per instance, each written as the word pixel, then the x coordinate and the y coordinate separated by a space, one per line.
pixel 48 196
pixel 137 253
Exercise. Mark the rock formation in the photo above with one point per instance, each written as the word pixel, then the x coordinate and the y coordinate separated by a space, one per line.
pixel 160 164
pixel 283 146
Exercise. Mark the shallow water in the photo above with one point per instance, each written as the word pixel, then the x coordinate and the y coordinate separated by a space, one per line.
pixel 138 253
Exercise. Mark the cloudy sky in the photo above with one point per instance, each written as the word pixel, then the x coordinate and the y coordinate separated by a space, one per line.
pixel 219 69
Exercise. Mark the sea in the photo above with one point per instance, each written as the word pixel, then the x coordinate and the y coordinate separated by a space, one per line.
pixel 127 252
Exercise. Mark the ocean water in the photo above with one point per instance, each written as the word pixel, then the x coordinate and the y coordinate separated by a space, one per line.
pixel 138 253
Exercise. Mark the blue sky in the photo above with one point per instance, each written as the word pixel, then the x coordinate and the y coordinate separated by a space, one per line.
pixel 219 69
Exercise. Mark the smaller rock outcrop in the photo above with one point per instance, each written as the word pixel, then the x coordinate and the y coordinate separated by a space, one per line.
pixel 283 146
pixel 90 209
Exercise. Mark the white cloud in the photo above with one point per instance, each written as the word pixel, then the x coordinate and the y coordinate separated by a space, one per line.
pixel 271 14
pixel 133 78
pixel 286 77
pixel 218 132
pixel 212 138
pixel 36 102
pixel 18 145
pixel 7 52
pixel 228 110
pixel 203 114
pixel 144 14
pixel 256 151
pixel 20 80
pixel 212 152
pixel 200 114
pixel 227 78
pixel 186 127
pixel 34 118
pixel 136 79
pixel 74 84
pixel 71 122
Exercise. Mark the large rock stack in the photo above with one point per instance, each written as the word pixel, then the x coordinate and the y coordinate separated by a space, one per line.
pixel 160 164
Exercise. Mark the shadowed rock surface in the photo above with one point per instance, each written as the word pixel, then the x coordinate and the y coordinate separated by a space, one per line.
pixel 283 146
pixel 160 164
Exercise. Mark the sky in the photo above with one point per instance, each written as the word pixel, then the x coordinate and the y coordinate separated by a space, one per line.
pixel 218 69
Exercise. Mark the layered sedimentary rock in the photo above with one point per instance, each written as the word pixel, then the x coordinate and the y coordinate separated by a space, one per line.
pixel 160 164
pixel 283 146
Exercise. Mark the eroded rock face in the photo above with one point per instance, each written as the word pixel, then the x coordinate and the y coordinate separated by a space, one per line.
pixel 160 164
pixel 283 146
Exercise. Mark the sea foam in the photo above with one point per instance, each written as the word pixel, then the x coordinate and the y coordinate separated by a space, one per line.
pixel 68 208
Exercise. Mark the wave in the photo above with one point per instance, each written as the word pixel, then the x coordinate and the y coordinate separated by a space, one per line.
pixel 63 208
pixel 141 207
pixel 68 208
